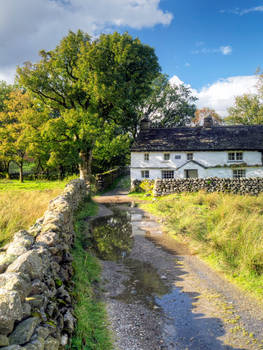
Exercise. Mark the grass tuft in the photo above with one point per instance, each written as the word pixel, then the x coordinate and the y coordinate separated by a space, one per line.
pixel 91 331
pixel 226 229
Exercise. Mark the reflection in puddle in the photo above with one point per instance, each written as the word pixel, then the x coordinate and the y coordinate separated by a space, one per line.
pixel 144 283
pixel 112 236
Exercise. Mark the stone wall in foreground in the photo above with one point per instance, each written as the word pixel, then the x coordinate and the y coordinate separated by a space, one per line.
pixel 250 186
pixel 35 279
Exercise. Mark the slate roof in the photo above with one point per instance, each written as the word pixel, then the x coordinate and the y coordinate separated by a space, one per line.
pixel 216 138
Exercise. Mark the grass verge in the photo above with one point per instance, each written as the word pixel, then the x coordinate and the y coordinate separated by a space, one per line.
pixel 226 230
pixel 91 330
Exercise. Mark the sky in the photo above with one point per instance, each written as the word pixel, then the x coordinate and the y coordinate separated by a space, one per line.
pixel 214 47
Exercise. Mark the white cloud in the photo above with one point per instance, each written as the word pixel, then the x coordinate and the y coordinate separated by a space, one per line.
pixel 30 25
pixel 221 94
pixel 240 12
pixel 226 50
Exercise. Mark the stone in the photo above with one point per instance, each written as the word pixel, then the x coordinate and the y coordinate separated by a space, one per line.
pixel 69 322
pixel 16 281
pixel 22 241
pixel 49 238
pixel 12 347
pixel 26 310
pixel 43 332
pixel 24 331
pixel 3 340
pixel 5 261
pixel 51 344
pixel 10 310
pixel 38 287
pixel 64 340
pixel 28 263
pixel 36 301
pixel 36 344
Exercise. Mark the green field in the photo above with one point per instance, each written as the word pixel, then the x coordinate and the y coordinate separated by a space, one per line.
pixel 22 203
pixel 226 230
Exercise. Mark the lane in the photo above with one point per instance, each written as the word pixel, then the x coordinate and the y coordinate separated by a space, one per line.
pixel 159 296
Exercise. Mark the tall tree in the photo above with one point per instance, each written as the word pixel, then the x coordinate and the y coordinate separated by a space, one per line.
pixel 19 127
pixel 87 84
pixel 167 105
pixel 247 110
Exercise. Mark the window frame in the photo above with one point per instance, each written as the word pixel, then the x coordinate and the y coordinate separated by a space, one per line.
pixel 143 174
pixel 236 156
pixel 240 173
pixel 168 173
pixel 168 155
pixel 178 156
pixel 190 156
pixel 146 157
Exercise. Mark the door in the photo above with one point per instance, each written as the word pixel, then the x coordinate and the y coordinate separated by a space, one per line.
pixel 191 173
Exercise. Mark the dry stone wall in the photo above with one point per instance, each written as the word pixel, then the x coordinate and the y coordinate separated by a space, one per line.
pixel 250 186
pixel 35 279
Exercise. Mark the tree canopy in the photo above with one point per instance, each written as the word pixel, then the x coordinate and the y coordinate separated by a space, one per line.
pixel 89 85
pixel 167 105
pixel 248 108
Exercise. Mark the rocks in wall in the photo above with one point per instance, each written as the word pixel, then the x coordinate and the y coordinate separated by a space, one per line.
pixel 36 310
pixel 250 186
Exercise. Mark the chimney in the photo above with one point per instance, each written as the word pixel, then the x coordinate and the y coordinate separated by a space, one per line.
pixel 145 123
pixel 208 122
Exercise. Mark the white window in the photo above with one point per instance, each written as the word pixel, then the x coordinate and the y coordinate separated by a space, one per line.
pixel 190 156
pixel 145 174
pixel 177 156
pixel 235 156
pixel 237 173
pixel 167 174
pixel 166 156
pixel 146 156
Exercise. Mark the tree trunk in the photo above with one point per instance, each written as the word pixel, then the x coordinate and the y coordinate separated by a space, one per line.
pixel 85 165
pixel 21 175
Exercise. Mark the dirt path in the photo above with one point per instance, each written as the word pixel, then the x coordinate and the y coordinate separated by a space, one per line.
pixel 159 296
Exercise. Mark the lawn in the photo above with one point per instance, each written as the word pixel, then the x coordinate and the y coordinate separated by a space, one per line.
pixel 225 229
pixel 22 203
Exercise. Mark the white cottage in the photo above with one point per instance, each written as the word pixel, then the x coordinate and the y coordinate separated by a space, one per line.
pixel 200 152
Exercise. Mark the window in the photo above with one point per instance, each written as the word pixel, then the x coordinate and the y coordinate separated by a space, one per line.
pixel 145 174
pixel 166 156
pixel 177 156
pixel 235 156
pixel 190 156
pixel 146 156
pixel 191 173
pixel 167 174
pixel 237 173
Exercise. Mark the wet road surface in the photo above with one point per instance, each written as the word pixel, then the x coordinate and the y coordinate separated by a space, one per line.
pixel 159 296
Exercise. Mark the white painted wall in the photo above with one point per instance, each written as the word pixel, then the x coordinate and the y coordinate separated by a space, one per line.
pixel 210 159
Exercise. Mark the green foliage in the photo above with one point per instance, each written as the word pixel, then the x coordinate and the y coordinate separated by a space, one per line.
pixel 167 105
pixel 91 330
pixel 87 87
pixel 147 185
pixel 247 110
pixel 226 228
pixel 5 90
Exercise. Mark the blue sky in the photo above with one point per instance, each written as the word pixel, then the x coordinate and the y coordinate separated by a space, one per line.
pixel 213 46
pixel 190 45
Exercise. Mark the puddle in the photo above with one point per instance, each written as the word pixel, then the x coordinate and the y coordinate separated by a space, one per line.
pixel 112 235
pixel 113 238
pixel 144 284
